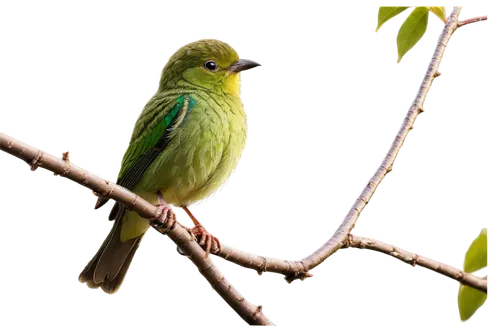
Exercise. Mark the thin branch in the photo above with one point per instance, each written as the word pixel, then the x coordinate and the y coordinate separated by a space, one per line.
pixel 472 20
pixel 252 314
pixel 337 240
pixel 293 269
pixel 415 259
pixel 299 269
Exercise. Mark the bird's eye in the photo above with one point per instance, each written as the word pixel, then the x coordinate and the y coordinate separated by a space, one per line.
pixel 211 65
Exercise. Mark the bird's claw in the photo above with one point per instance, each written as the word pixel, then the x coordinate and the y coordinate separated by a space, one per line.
pixel 209 243
pixel 166 219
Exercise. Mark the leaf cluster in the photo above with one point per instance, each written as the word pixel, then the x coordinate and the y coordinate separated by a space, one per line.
pixel 413 28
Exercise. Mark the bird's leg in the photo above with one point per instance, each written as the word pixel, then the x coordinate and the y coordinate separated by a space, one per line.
pixel 167 216
pixel 203 237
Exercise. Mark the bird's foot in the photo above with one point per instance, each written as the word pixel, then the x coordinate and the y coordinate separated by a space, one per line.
pixel 165 219
pixel 209 243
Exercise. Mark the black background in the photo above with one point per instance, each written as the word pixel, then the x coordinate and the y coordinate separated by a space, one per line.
pixel 325 101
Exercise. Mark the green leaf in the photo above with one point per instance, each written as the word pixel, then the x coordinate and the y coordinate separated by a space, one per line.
pixel 412 30
pixel 386 13
pixel 477 254
pixel 469 300
pixel 440 12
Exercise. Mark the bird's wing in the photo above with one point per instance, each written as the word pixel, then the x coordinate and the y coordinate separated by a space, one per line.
pixel 150 139
pixel 151 134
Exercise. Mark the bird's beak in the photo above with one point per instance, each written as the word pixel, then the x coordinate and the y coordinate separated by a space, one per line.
pixel 241 65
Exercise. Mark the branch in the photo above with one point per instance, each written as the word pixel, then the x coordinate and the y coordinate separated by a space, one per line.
pixel 294 270
pixel 36 158
pixel 472 20
pixel 415 259
pixel 299 269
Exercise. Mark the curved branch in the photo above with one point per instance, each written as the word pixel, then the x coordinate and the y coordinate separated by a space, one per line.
pixel 302 268
pixel 292 269
pixel 299 269
pixel 251 313
pixel 340 236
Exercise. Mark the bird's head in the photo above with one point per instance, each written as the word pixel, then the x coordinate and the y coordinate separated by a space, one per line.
pixel 206 64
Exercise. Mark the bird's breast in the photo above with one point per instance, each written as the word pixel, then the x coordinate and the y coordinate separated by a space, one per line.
pixel 202 151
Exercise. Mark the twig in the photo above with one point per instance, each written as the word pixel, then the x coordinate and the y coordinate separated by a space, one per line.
pixel 415 259
pixel 472 20
pixel 252 314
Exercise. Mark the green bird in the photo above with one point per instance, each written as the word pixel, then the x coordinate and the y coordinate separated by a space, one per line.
pixel 185 144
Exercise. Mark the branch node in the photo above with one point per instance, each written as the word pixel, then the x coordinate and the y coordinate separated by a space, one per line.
pixel 257 312
pixel 65 156
pixel 460 276
pixel 387 172
pixel 436 74
pixel 37 161
pixel 414 260
pixel 109 191
pixel 420 110
pixel 348 242
pixel 297 276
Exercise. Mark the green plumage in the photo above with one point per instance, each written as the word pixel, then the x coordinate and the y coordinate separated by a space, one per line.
pixel 149 137
pixel 186 143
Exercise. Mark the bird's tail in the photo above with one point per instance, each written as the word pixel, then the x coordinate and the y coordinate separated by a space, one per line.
pixel 110 264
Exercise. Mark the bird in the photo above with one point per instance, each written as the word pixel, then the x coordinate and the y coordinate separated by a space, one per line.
pixel 186 142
